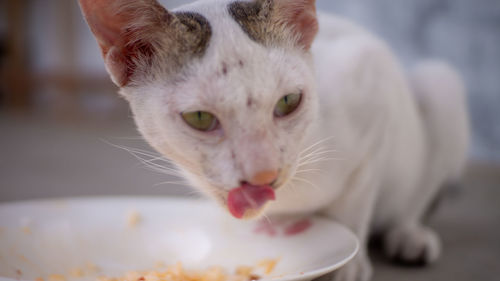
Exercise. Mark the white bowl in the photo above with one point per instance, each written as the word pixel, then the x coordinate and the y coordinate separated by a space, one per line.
pixel 39 238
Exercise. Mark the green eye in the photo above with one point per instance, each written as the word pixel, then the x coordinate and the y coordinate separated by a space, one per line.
pixel 287 105
pixel 201 120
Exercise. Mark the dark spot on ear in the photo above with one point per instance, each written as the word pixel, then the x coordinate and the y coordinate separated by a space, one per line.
pixel 249 102
pixel 224 68
pixel 233 155
pixel 253 17
pixel 272 22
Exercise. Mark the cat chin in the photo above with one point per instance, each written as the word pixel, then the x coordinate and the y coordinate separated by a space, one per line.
pixel 255 214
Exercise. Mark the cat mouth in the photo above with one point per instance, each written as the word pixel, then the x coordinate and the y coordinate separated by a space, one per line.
pixel 248 201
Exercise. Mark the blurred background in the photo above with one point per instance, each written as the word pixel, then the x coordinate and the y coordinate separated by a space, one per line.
pixel 60 116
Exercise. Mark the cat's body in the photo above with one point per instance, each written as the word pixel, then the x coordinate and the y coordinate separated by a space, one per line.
pixel 396 138
pixel 368 145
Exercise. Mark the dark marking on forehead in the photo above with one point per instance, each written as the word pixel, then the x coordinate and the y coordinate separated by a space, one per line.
pixel 196 32
pixel 186 36
pixel 254 18
pixel 241 63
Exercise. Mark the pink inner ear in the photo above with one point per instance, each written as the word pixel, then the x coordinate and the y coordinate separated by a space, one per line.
pixel 307 25
pixel 110 21
pixel 104 22
pixel 301 15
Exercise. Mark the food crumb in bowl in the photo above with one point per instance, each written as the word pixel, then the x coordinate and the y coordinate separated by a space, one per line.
pixel 133 218
pixel 39 279
pixel 76 272
pixel 254 277
pixel 268 265
pixel 244 270
pixel 178 273
pixel 160 264
pixel 92 268
pixel 56 277
pixel 26 229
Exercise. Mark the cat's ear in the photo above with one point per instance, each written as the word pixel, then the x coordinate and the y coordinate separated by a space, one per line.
pixel 277 21
pixel 126 31
pixel 300 16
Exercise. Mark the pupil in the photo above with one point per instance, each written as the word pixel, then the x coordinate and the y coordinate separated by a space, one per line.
pixel 286 99
pixel 199 115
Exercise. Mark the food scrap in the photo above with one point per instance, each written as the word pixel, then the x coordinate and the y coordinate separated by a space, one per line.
pixel 92 268
pixel 268 265
pixel 76 272
pixel 26 229
pixel 178 273
pixel 56 277
pixel 133 219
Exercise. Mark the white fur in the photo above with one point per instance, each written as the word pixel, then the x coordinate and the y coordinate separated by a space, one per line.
pixel 384 141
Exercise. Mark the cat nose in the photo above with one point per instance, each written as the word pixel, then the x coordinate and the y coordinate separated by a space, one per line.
pixel 264 177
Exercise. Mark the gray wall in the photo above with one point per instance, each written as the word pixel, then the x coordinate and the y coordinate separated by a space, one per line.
pixel 464 32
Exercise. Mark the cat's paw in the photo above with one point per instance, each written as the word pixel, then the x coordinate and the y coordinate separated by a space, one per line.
pixel 412 245
pixel 359 269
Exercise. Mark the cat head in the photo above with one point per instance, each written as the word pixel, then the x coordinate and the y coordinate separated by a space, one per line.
pixel 225 89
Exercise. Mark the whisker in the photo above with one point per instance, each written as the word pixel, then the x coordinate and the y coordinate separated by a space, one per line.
pixel 319 149
pixel 195 192
pixel 293 188
pixel 318 160
pixel 315 144
pixel 315 154
pixel 151 160
pixel 266 217
pixel 172 182
pixel 129 138
pixel 162 169
pixel 306 181
pixel 307 170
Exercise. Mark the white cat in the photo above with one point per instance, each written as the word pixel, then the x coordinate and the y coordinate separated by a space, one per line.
pixel 261 114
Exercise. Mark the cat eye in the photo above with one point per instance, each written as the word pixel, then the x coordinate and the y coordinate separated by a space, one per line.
pixel 201 120
pixel 287 105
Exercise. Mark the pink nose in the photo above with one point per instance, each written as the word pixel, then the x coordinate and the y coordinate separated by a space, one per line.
pixel 264 177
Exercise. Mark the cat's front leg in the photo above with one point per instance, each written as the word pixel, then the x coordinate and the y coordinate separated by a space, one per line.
pixel 354 209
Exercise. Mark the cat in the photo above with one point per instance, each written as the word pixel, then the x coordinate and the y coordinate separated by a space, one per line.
pixel 269 106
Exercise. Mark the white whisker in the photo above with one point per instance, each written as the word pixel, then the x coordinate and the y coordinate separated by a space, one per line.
pixel 307 170
pixel 316 154
pixel 305 181
pixel 129 138
pixel 150 160
pixel 172 182
pixel 267 219
pixel 318 160
pixel 315 144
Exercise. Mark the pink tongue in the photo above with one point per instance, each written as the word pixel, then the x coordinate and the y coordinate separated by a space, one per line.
pixel 248 197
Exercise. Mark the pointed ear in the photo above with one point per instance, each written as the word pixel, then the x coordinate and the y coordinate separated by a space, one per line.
pixel 277 21
pixel 300 16
pixel 125 31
